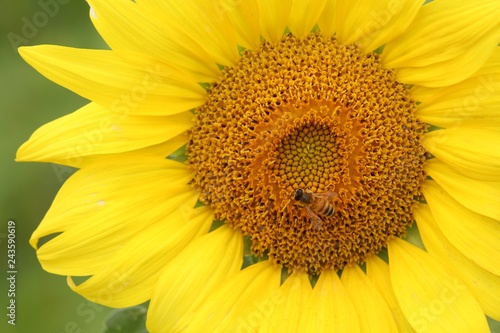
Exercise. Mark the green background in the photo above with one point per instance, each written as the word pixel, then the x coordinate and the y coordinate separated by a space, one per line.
pixel 28 100
pixel 44 301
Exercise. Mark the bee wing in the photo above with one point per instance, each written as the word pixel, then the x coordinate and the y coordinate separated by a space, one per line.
pixel 315 219
pixel 327 195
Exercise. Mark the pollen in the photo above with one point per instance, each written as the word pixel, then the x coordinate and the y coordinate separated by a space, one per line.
pixel 316 115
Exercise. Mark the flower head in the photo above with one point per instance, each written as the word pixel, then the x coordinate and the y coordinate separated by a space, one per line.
pixel 313 133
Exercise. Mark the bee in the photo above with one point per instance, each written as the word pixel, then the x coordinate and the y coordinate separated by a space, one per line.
pixel 316 204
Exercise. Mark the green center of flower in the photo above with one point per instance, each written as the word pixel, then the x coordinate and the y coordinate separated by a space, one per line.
pixel 312 149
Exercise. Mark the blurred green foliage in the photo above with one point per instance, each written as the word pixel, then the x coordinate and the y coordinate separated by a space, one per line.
pixel 44 302
pixel 129 320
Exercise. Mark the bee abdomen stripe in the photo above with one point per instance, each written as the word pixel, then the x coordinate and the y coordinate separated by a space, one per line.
pixel 329 211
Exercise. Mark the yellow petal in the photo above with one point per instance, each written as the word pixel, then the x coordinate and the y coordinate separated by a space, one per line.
pixel 373 311
pixel 166 148
pixel 238 305
pixel 479 196
pixel 492 65
pixel 303 16
pixel 446 43
pixel 125 83
pixel 483 285
pixel 327 19
pixel 387 23
pixel 371 24
pixel 473 152
pixel 378 273
pixel 273 16
pixel 163 149
pixel 475 98
pixel 128 26
pixel 132 273
pixel 101 207
pixel 285 318
pixel 93 130
pixel 432 299
pixel 204 22
pixel 329 307
pixel 194 274
pixel 475 235
pixel 244 16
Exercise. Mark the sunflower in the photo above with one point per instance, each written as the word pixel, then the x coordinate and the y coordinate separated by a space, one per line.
pixel 281 166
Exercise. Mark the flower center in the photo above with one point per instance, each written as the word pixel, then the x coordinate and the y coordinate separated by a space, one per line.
pixel 312 149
